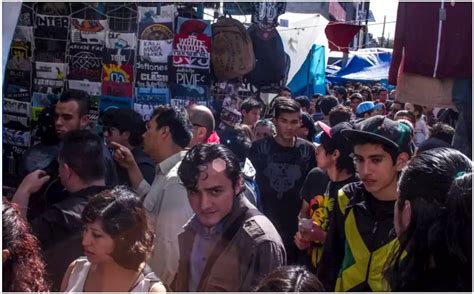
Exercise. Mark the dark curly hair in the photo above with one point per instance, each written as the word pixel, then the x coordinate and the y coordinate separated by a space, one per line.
pixel 123 217
pixel 290 279
pixel 202 154
pixel 24 270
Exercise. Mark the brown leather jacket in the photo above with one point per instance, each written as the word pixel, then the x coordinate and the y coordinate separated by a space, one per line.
pixel 254 251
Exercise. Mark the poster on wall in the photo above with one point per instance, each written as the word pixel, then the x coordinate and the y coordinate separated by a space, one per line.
pixel 43 99
pixel 117 80
pixel 151 74
pixel 91 88
pixel 20 55
pixel 116 40
pixel 51 26
pixel 156 31
pixel 119 56
pixel 147 99
pixel 23 33
pixel 85 62
pixel 182 95
pixel 18 77
pixel 189 76
pixel 16 137
pixel 88 31
pixel 49 70
pixel 110 102
pixel 50 50
pixel 191 51
pixel 117 73
pixel 194 26
pixel 16 107
pixel 155 51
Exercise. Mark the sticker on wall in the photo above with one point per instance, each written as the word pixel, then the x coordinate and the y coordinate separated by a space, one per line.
pixel 152 74
pixel 88 31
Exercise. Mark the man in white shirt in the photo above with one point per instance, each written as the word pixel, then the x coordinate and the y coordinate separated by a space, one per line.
pixel 168 133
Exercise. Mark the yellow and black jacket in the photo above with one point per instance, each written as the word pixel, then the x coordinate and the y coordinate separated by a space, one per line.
pixel 359 241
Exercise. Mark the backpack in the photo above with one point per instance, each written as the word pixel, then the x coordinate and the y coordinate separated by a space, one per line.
pixel 232 54
pixel 272 63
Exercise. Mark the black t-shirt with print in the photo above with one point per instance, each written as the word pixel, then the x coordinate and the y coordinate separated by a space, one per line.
pixel 281 172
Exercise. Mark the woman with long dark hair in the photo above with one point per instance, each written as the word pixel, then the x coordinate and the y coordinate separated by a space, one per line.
pixel 423 260
pixel 117 240
pixel 23 268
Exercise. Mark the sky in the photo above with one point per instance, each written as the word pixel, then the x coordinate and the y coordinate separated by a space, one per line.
pixel 379 9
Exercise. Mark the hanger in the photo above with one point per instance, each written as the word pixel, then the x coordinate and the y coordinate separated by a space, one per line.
pixel 123 6
pixel 89 7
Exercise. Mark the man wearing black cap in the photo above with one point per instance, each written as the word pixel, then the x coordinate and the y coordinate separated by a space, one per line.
pixel 333 156
pixel 126 127
pixel 360 237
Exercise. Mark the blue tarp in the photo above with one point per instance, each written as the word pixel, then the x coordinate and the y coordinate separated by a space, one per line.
pixel 310 78
pixel 364 66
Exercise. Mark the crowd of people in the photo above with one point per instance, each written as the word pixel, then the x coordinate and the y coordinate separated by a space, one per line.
pixel 351 191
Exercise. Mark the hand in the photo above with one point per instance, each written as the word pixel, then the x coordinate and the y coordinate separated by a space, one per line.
pixel 300 242
pixel 316 234
pixel 123 156
pixel 33 182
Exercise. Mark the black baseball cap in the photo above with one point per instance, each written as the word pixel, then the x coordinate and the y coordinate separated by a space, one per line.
pixel 333 136
pixel 393 134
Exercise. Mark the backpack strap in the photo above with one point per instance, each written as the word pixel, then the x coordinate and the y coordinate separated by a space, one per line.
pixel 227 237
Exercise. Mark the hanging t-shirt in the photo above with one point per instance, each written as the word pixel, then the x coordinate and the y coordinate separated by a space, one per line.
pixel 281 172
pixel 320 207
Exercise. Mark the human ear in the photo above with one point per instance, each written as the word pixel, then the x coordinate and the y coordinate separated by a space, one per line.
pixel 406 213
pixel 84 120
pixel 5 255
pixel 402 161
pixel 239 185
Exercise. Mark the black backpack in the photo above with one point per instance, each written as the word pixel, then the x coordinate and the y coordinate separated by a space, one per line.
pixel 271 60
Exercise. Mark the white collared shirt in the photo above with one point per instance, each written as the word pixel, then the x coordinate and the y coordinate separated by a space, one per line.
pixel 168 208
